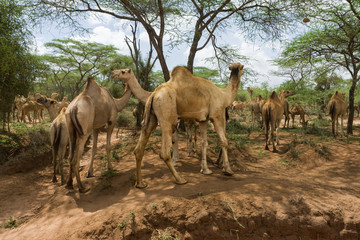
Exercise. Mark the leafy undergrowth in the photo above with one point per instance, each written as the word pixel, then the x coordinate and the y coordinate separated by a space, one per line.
pixel 25 147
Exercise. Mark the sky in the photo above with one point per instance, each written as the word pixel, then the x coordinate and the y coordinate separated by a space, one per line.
pixel 108 30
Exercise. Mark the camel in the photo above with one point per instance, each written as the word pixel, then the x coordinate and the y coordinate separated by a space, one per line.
pixel 59 139
pixel 51 105
pixel 191 98
pixel 337 107
pixel 238 105
pixel 31 106
pixel 90 111
pixel 255 106
pixel 272 113
pixel 20 100
pixel 286 112
pixel 297 110
pixel 54 96
pixel 356 108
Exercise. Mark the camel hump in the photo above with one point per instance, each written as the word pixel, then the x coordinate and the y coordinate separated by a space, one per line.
pixel 180 70
pixel 273 95
pixel 91 85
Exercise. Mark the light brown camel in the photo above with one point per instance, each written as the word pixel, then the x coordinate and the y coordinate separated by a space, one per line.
pixel 27 108
pixel 127 75
pixel 54 96
pixel 238 105
pixel 64 103
pixel 356 108
pixel 59 139
pixel 20 100
pixel 255 106
pixel 91 110
pixel 51 105
pixel 297 110
pixel 286 112
pixel 188 97
pixel 272 113
pixel 337 107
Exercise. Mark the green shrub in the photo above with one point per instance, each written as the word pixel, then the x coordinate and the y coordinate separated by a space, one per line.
pixel 234 126
pixel 10 223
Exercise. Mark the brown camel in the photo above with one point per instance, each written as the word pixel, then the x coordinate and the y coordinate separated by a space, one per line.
pixel 188 97
pixel 255 106
pixel 337 107
pixel 297 110
pixel 59 139
pixel 91 110
pixel 272 113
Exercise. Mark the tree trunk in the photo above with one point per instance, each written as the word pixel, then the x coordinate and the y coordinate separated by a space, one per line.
pixel 351 108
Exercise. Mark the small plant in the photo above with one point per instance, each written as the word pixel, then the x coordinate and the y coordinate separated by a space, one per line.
pixel 108 173
pixel 10 223
pixel 234 215
pixel 260 154
pixel 296 200
pixel 164 202
pixel 154 206
pixel 200 194
pixel 131 215
pixel 122 224
pixel 294 153
pixel 322 150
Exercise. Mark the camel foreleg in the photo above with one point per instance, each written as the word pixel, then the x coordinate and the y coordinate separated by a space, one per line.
pixel 108 146
pixel 166 145
pixel 204 144
pixel 93 152
pixel 175 155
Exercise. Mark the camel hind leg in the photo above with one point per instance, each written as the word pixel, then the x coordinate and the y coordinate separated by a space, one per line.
pixel 93 153
pixel 219 124
pixel 140 148
pixel 75 163
pixel 204 144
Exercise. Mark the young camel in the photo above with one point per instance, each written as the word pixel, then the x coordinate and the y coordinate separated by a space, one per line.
pixel 59 139
pixel 272 113
pixel 31 106
pixel 255 106
pixel 240 106
pixel 90 111
pixel 337 107
pixel 188 97
pixel 297 110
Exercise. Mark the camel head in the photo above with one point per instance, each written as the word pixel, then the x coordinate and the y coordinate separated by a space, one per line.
pixel 47 102
pixel 339 95
pixel 286 93
pixel 237 68
pixel 122 74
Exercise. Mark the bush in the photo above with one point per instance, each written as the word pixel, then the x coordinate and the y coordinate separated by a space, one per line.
pixel 234 126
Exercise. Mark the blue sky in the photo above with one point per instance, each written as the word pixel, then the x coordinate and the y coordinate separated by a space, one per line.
pixel 108 30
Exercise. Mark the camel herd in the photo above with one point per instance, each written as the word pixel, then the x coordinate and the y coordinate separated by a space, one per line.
pixel 195 100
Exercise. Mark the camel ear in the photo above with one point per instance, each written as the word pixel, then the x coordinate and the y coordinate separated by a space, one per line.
pixel 129 70
pixel 52 102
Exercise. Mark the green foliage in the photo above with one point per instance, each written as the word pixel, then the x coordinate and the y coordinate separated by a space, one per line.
pixel 10 223
pixel 17 65
pixel 234 126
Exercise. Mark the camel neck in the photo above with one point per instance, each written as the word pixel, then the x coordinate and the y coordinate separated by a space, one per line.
pixel 230 91
pixel 137 90
pixel 122 102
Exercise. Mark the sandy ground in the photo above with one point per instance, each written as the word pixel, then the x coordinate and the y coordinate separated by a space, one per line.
pixel 299 193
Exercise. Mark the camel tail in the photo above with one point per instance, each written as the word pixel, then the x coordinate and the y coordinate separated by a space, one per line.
pixel 75 121
pixel 147 111
pixel 267 117
pixel 332 110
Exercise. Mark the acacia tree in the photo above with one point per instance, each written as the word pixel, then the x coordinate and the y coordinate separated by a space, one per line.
pixel 17 65
pixel 71 61
pixel 333 42
pixel 162 19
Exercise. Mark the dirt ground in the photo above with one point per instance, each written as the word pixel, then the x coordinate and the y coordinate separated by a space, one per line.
pixel 309 190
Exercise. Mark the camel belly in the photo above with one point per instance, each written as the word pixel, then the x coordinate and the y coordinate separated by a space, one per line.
pixel 198 116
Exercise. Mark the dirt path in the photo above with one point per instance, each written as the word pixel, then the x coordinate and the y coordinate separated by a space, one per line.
pixel 302 192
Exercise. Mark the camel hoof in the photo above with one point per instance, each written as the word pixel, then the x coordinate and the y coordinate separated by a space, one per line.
pixel 84 190
pixel 54 180
pixel 206 171
pixel 228 172
pixel 141 185
pixel 266 148
pixel 70 187
pixel 181 181
pixel 275 150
